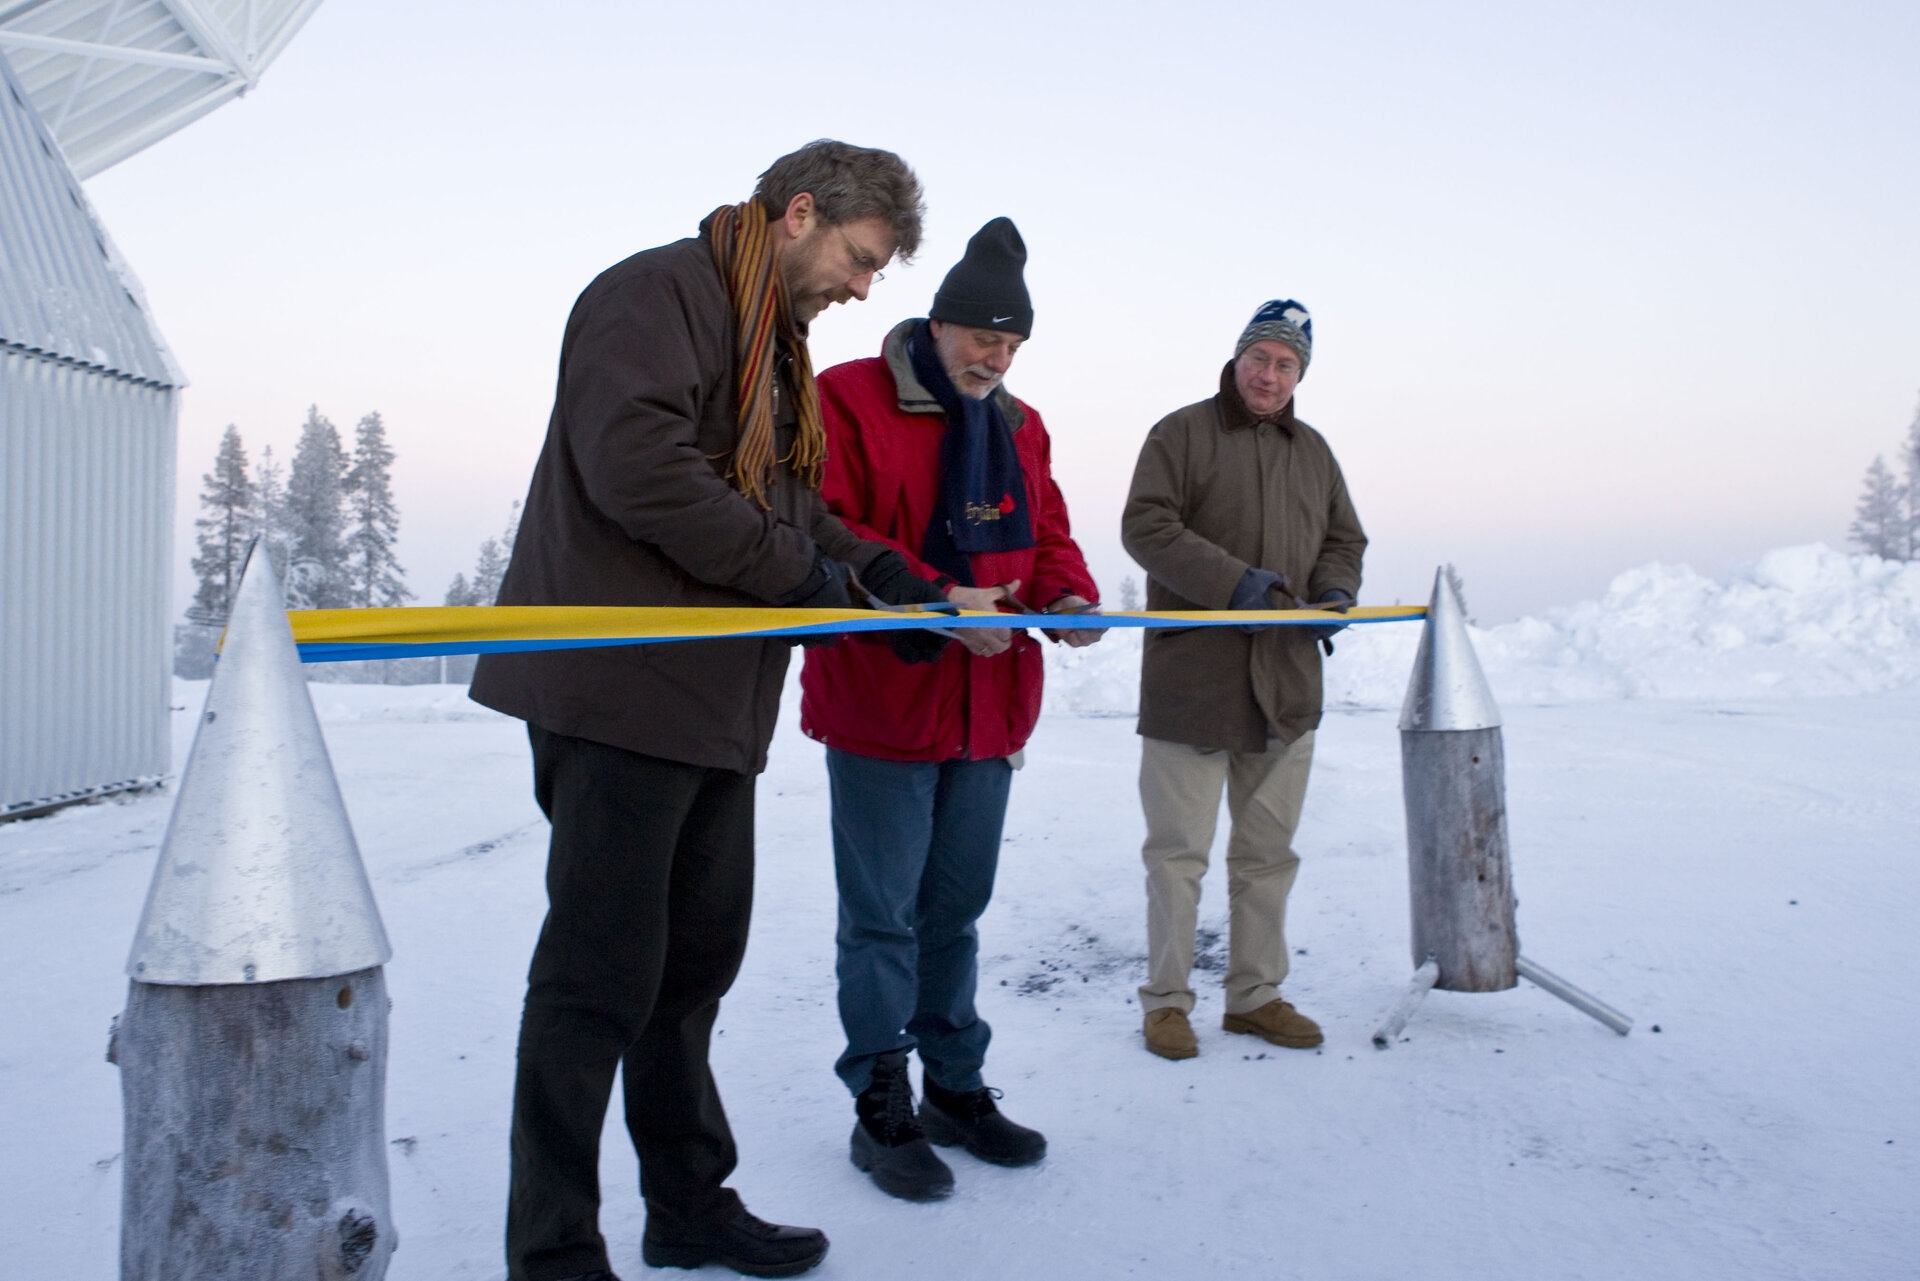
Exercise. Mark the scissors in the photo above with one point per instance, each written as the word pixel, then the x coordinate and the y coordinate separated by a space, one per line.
pixel 871 601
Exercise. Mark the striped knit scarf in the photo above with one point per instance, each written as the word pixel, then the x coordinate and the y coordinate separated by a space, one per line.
pixel 743 251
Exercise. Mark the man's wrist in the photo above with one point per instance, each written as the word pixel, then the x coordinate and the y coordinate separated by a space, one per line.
pixel 809 582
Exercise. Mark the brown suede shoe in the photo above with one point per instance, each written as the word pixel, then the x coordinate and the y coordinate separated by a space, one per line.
pixel 1169 1034
pixel 1278 1022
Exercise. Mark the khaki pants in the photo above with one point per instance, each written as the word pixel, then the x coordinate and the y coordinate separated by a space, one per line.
pixel 1180 794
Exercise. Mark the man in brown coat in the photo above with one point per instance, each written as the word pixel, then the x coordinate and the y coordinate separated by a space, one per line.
pixel 681 467
pixel 1236 504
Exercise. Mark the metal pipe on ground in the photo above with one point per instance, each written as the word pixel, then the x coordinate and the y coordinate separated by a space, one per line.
pixel 1573 996
pixel 1417 989
pixel 253 1047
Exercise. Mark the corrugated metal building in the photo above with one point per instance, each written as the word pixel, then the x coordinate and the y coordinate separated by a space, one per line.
pixel 87 418
pixel 87 387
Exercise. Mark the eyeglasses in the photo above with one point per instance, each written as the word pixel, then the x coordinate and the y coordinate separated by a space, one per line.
pixel 1281 366
pixel 863 262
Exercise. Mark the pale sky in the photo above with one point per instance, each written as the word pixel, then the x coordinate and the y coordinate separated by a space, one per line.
pixel 1592 285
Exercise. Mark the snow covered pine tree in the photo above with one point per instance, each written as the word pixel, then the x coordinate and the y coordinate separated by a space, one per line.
pixel 372 574
pixel 489 569
pixel 1880 519
pixel 1459 586
pixel 1910 459
pixel 316 517
pixel 270 510
pixel 225 525
pixel 482 590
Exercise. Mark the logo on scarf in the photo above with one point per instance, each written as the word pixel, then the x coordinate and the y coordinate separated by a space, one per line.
pixel 981 512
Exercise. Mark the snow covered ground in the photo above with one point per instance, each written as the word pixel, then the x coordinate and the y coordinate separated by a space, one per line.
pixel 1713 830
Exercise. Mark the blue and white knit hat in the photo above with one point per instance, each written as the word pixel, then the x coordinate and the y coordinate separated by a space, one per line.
pixel 1282 320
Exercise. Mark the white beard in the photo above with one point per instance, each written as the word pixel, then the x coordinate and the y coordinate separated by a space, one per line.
pixel 979 371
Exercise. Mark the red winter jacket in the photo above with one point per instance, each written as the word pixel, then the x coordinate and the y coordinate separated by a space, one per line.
pixel 882 479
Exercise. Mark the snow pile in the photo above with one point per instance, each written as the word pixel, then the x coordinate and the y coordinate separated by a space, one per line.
pixel 1800 621
pixel 1101 680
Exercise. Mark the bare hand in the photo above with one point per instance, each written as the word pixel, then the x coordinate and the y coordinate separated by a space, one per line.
pixel 983 641
pixel 1077 637
pixel 981 598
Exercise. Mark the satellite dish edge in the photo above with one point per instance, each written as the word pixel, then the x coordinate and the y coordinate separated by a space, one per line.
pixel 110 80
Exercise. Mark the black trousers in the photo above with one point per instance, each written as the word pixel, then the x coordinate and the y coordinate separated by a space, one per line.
pixel 649 889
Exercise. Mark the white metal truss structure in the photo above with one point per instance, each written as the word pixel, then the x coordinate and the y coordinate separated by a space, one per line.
pixel 112 77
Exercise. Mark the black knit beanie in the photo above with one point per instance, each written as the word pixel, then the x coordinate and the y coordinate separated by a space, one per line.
pixel 986 288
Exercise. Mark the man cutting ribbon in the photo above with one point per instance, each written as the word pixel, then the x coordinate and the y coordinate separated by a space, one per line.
pixel 929 453
pixel 681 467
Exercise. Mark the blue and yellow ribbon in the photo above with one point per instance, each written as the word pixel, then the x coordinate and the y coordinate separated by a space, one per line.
pixel 336 635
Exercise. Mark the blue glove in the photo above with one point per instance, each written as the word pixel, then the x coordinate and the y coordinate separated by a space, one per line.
pixel 1253 592
pixel 1338 601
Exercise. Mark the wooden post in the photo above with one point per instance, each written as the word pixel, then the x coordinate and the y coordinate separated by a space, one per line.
pixel 253 1049
pixel 1457 864
pixel 1453 775
pixel 254 1130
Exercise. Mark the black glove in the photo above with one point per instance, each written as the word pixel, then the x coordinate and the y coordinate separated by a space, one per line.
pixel 824 587
pixel 1339 602
pixel 1251 592
pixel 890 579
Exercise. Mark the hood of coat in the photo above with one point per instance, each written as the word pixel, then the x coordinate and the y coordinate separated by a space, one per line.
pixel 1234 414
pixel 914 396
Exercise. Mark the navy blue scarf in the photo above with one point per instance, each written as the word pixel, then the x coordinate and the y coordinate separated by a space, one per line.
pixel 983 489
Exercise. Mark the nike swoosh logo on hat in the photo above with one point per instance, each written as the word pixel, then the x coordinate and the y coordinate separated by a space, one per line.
pixel 998 319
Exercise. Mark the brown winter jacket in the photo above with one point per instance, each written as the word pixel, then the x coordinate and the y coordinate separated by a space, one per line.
pixel 1215 492
pixel 628 506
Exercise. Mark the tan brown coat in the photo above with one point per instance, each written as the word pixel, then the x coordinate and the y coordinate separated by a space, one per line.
pixel 1214 493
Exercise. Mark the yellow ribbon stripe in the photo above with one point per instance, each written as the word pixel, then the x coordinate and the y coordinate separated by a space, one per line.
pixel 326 635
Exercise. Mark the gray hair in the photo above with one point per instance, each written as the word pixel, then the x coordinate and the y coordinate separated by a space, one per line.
pixel 848 183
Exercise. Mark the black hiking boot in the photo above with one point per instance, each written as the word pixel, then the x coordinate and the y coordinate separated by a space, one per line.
pixel 748 1245
pixel 973 1121
pixel 888 1142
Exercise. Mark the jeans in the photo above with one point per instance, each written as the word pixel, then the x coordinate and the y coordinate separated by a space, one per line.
pixel 915 847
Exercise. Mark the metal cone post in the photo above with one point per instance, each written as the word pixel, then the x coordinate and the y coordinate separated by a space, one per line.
pixel 1453 775
pixel 253 1048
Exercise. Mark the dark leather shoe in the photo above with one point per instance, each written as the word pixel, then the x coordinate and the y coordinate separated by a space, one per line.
pixel 599 1275
pixel 888 1143
pixel 973 1120
pixel 749 1245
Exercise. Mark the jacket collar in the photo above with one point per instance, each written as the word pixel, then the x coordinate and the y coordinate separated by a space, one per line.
pixel 914 396
pixel 1234 414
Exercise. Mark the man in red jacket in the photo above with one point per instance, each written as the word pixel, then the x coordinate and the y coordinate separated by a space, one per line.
pixel 929 454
